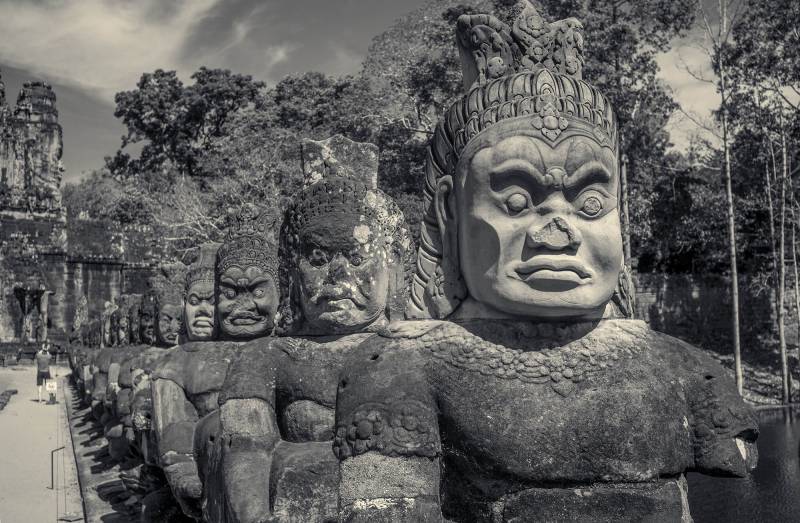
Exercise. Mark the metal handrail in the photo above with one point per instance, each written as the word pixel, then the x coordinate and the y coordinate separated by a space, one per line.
pixel 52 455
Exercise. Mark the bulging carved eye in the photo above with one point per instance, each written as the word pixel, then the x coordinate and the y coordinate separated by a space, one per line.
pixel 517 202
pixel 318 258
pixel 356 259
pixel 258 293
pixel 230 294
pixel 592 206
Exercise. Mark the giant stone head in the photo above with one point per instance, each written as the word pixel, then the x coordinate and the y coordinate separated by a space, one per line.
pixel 247 277
pixel 199 310
pixel 345 245
pixel 522 182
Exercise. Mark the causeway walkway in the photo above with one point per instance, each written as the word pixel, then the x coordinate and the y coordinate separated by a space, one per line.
pixel 29 431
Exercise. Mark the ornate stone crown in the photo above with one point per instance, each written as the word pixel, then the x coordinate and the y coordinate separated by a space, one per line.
pixel 531 69
pixel 530 73
pixel 168 283
pixel 341 177
pixel 249 243
pixel 201 269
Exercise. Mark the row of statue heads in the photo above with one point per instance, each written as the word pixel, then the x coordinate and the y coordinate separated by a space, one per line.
pixel 485 374
pixel 345 263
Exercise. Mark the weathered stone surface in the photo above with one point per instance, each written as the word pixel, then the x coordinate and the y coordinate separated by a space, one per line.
pixel 604 503
pixel 539 400
pixel 304 478
pixel 345 248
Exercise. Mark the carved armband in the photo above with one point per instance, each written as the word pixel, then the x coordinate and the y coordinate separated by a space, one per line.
pixel 399 428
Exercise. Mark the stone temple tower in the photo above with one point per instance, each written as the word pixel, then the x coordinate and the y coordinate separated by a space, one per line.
pixel 30 151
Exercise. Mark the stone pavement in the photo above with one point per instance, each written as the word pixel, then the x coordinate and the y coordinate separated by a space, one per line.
pixel 104 494
pixel 28 432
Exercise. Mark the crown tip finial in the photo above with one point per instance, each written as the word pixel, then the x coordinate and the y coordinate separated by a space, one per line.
pixel 490 48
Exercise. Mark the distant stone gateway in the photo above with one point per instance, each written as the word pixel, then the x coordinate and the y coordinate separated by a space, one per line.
pixel 47 262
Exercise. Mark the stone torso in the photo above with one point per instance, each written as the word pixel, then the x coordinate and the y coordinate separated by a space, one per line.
pixel 298 377
pixel 520 405
pixel 199 368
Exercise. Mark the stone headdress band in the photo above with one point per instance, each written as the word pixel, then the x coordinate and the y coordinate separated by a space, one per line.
pixel 529 72
pixel 202 268
pixel 167 284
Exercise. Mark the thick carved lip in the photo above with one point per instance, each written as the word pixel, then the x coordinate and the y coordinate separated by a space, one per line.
pixel 550 268
pixel 202 322
pixel 245 318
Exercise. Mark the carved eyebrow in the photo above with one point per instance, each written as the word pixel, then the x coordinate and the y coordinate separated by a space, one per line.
pixel 516 172
pixel 259 280
pixel 227 281
pixel 588 173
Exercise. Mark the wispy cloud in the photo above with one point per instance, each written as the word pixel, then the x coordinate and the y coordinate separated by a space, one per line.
pixel 686 68
pixel 97 44
pixel 105 45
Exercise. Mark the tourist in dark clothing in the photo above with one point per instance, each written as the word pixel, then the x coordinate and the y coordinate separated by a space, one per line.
pixel 42 368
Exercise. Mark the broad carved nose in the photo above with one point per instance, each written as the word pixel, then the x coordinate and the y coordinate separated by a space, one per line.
pixel 555 235
pixel 337 269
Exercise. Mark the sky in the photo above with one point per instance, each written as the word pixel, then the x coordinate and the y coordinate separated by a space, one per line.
pixel 91 49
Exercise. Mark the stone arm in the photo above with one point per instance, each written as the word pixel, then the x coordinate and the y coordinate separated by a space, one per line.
pixel 387 438
pixel 248 435
pixel 174 418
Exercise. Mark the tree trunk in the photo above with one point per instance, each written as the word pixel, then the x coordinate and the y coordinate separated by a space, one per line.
pixel 626 220
pixel 794 265
pixel 737 348
pixel 723 92
pixel 768 190
pixel 782 287
pixel 786 378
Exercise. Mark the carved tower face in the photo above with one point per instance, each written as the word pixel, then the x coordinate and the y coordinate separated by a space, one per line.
pixel 247 284
pixel 538 225
pixel 342 274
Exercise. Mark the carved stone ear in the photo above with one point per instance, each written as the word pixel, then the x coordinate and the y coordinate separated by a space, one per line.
pixel 446 289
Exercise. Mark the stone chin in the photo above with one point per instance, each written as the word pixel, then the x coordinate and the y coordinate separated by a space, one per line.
pixel 198 333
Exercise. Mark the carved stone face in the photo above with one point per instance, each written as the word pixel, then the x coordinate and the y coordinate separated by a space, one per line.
pixel 343 276
pixel 122 329
pixel 170 316
pixel 246 302
pixel 147 332
pixel 198 311
pixel 538 225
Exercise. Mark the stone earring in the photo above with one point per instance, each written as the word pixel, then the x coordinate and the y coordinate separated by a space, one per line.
pixel 446 289
pixel 624 294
